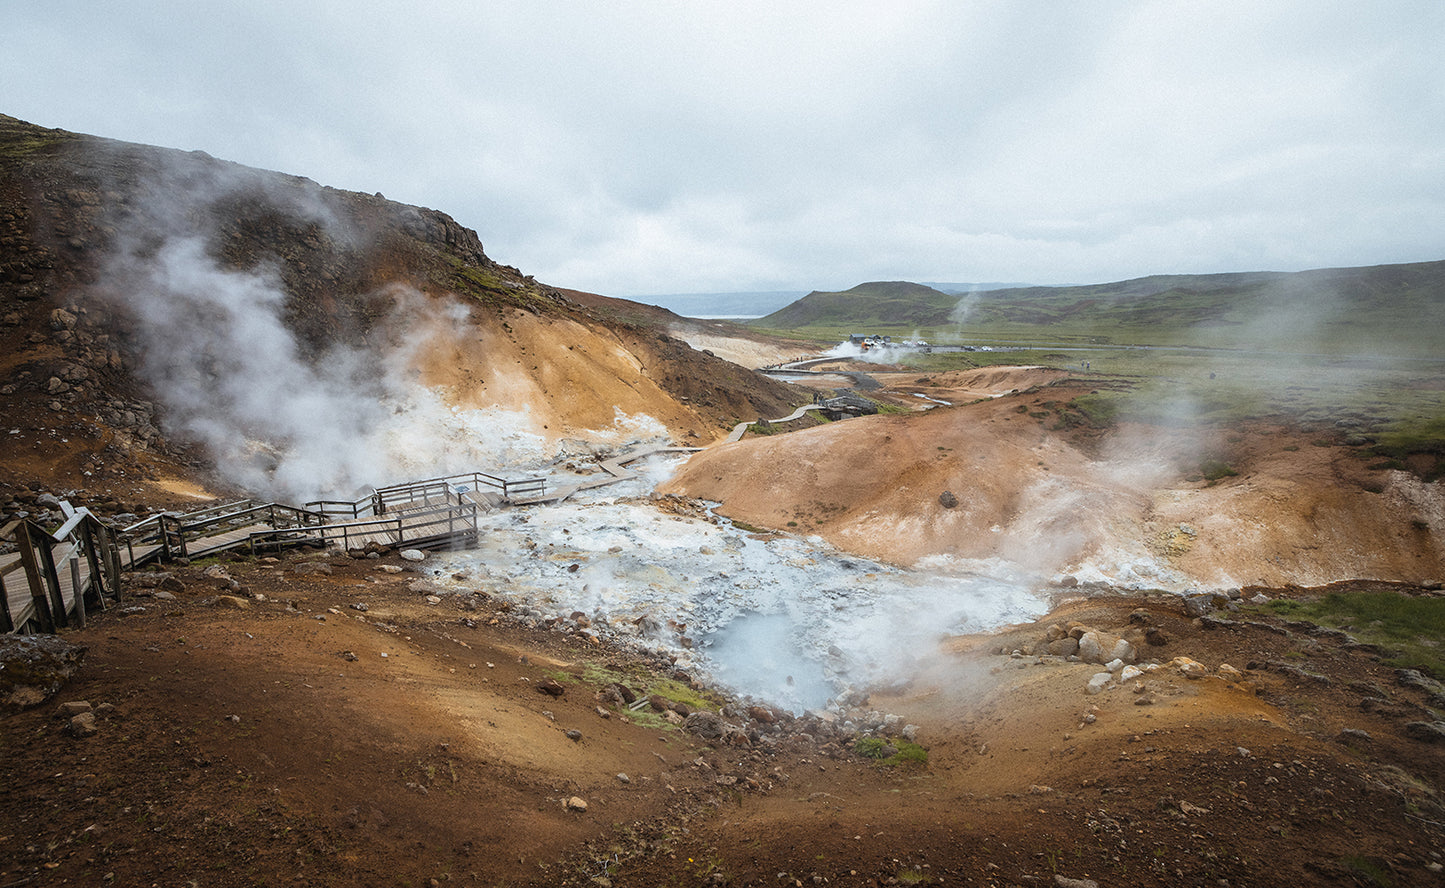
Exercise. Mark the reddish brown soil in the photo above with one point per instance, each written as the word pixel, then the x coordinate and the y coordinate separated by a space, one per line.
pixel 246 749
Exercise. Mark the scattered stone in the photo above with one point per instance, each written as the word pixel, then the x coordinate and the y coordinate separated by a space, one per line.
pixel 623 778
pixel 1129 673
pixel 1229 673
pixel 1348 735
pixel 306 568
pixel 349 656
pixel 163 595
pixel 73 708
pixel 33 668
pixel 948 500
pixel 413 555
pixel 231 602
pixel 575 803
pixel 360 606
pixel 1156 636
pixel 603 713
pixel 550 686
pixel 1098 682
pixel 1066 882
pixel 433 599
pixel 1189 668
pixel 83 725
pixel 575 736
pixel 390 568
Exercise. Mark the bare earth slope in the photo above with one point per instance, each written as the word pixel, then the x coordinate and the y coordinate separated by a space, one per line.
pixel 339 729
pixel 1118 507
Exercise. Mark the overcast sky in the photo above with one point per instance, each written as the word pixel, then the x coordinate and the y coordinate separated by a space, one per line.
pixel 631 148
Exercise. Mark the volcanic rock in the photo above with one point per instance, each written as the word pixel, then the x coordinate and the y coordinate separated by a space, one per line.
pixel 34 667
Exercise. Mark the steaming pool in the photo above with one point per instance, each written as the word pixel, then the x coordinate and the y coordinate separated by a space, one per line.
pixel 789 620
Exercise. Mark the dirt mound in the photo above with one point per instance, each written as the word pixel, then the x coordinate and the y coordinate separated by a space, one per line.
pixel 1017 480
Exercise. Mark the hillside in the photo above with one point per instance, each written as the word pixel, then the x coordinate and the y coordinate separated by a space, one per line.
pixel 1396 309
pixel 870 304
pixel 211 321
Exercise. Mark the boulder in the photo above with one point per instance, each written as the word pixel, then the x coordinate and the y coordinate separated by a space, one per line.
pixel 1064 647
pixel 707 725
pixel 33 668
pixel 1101 647
pixel 413 555
pixel 82 725
pixel 1426 732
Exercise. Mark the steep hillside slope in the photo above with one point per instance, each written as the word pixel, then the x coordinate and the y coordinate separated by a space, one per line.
pixel 166 309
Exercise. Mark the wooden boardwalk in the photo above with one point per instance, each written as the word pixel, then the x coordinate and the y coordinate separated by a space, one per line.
pixel 51 581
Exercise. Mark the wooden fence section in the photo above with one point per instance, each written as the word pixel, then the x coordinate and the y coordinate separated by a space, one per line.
pixel 478 488
pixel 209 531
pixel 76 567
pixel 51 579
pixel 419 527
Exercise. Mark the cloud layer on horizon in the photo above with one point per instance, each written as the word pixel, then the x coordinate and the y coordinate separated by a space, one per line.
pixel 668 147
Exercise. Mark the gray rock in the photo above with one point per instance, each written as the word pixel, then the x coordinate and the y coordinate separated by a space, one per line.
pixel 73 708
pixel 1426 732
pixel 1064 647
pixel 83 725
pixel 1091 648
pixel 33 668
pixel 1065 882
pixel 413 555
pixel 312 567
pixel 948 500
pixel 1098 683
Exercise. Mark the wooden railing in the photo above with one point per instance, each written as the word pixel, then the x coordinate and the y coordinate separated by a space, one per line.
pixel 167 537
pixel 450 488
pixel 59 593
pixel 437 525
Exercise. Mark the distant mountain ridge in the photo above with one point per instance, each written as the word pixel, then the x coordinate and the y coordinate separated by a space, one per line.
pixel 1401 305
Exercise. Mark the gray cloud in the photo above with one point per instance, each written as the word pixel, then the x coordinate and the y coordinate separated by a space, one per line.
pixel 666 147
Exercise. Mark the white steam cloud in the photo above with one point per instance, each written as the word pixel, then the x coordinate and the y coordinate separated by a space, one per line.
pixel 224 360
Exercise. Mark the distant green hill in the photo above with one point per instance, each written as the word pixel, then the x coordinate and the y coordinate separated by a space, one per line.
pixel 889 303
pixel 1396 309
